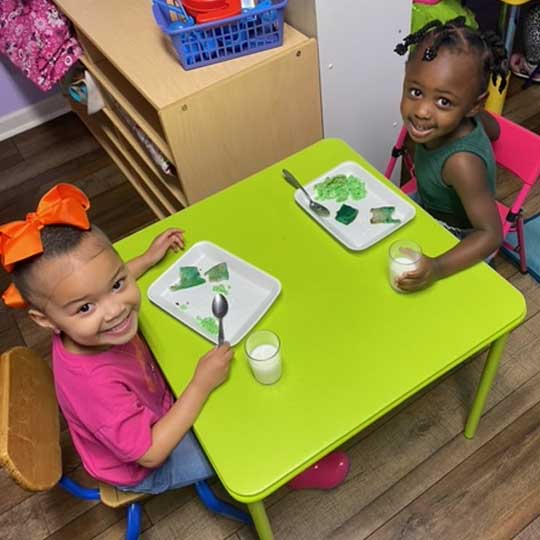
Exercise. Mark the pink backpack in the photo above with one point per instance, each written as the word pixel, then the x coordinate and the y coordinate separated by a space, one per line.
pixel 38 39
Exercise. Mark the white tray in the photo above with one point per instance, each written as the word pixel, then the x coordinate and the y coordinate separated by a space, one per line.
pixel 251 292
pixel 360 234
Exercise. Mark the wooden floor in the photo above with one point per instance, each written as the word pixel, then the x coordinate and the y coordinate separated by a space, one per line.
pixel 414 476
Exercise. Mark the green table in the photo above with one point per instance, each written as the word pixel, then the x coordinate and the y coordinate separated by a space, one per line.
pixel 353 349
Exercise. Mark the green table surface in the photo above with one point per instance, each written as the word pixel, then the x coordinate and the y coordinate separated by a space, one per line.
pixel 352 348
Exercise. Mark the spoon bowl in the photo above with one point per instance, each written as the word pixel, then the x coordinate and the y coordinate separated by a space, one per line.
pixel 220 308
pixel 316 207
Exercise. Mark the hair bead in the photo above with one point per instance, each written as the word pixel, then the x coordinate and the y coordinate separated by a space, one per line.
pixel 454 35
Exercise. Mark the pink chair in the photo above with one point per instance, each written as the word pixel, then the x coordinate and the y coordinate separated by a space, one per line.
pixel 518 151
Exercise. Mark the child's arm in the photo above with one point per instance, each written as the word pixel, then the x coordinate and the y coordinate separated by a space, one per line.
pixel 491 126
pixel 212 370
pixel 170 239
pixel 467 174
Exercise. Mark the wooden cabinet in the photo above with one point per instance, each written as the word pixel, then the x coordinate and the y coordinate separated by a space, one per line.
pixel 216 124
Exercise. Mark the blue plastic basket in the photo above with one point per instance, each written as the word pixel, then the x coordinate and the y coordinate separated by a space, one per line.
pixel 203 44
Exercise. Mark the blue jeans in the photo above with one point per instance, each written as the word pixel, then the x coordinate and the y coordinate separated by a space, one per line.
pixel 186 465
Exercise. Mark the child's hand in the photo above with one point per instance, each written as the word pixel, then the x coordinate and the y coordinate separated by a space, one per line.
pixel 170 239
pixel 213 368
pixel 425 274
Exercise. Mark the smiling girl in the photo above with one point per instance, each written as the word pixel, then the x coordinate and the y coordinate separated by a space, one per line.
pixel 444 90
pixel 123 420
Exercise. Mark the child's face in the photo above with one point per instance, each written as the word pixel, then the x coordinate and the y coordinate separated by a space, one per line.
pixel 92 299
pixel 438 95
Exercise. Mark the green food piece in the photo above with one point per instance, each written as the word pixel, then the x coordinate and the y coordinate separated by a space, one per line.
pixel 383 214
pixel 189 277
pixel 346 214
pixel 221 289
pixel 183 307
pixel 209 324
pixel 340 188
pixel 219 272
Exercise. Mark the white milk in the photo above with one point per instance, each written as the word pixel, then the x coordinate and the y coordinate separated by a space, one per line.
pixel 398 267
pixel 265 362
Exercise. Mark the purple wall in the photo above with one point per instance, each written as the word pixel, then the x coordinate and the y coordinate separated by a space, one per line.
pixel 16 91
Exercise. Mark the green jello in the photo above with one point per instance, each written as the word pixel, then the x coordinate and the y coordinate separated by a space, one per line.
pixel 209 324
pixel 346 214
pixel 219 272
pixel 383 214
pixel 340 188
pixel 221 289
pixel 189 277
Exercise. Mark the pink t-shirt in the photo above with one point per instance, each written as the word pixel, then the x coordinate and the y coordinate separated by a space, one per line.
pixel 110 401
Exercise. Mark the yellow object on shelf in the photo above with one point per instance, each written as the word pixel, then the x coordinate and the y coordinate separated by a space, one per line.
pixel 495 99
pixel 515 2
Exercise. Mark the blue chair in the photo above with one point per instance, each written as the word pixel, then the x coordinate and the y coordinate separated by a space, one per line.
pixel 30 441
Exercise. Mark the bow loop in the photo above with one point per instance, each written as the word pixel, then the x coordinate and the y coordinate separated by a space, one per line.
pixel 64 204
pixel 12 298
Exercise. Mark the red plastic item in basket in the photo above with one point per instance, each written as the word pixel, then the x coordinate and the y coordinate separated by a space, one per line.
pixel 212 10
pixel 205 5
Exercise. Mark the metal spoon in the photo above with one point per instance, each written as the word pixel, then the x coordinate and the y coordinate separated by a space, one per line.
pixel 220 307
pixel 319 209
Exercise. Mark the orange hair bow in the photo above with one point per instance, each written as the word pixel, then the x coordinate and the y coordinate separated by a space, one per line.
pixel 64 204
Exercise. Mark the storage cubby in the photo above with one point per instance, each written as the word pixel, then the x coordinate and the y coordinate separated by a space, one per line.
pixel 216 125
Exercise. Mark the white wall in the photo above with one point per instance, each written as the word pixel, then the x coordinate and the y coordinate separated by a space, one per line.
pixel 22 104
pixel 301 15
pixel 361 76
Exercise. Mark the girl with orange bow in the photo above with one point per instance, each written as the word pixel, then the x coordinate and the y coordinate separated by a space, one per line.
pixel 122 418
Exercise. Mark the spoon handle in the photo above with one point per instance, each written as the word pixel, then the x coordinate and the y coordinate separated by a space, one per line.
pixel 221 338
pixel 294 182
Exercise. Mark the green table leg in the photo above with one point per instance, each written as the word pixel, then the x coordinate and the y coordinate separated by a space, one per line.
pixel 490 370
pixel 260 520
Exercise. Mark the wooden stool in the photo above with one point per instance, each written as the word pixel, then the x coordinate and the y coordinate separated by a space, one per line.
pixel 30 441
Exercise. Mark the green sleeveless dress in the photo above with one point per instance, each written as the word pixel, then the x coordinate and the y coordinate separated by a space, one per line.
pixel 438 198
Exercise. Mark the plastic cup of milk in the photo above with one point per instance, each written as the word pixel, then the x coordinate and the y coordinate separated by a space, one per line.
pixel 263 351
pixel 403 257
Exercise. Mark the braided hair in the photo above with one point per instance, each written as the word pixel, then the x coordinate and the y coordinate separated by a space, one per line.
pixel 456 35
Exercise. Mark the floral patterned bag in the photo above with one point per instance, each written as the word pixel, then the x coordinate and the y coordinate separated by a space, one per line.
pixel 38 39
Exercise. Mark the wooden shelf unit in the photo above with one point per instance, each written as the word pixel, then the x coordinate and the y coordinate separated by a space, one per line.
pixel 216 125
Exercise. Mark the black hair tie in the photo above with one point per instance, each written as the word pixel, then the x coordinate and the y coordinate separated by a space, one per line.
pixel 401 49
pixel 429 54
